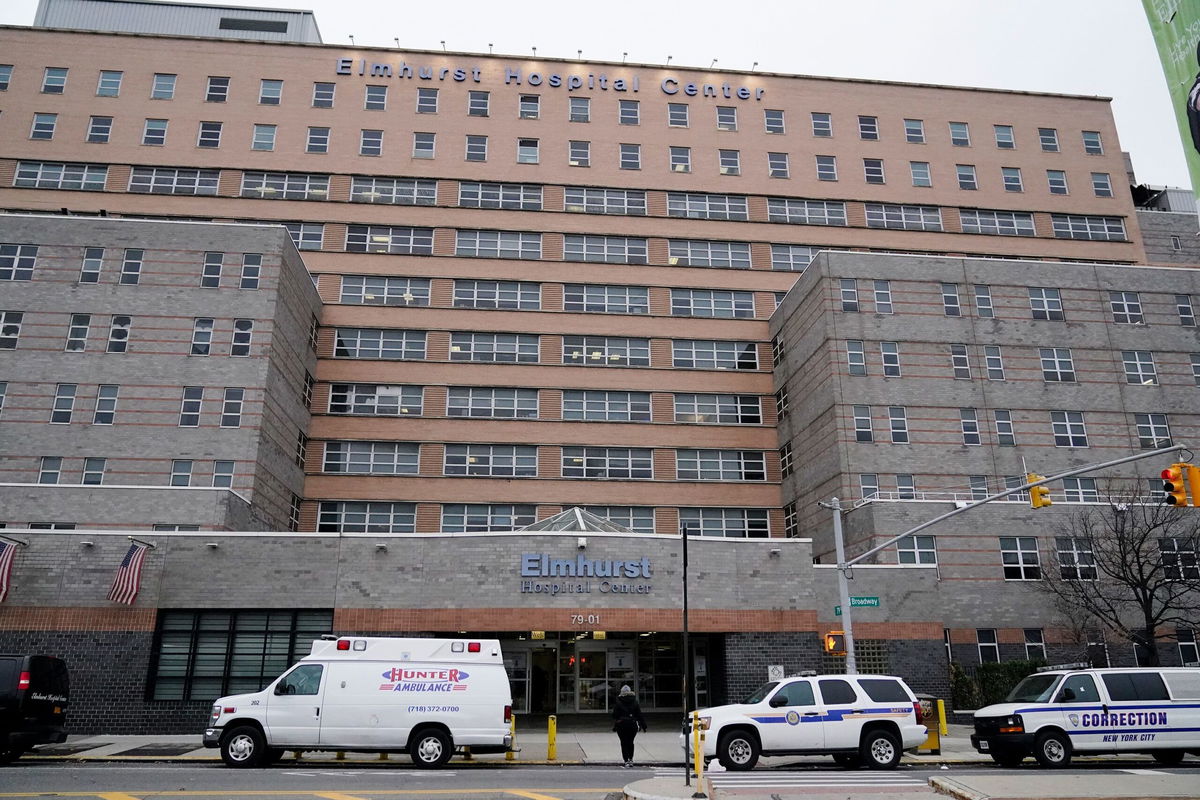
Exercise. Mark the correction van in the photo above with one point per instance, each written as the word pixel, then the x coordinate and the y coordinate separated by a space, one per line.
pixel 1061 711
pixel 424 697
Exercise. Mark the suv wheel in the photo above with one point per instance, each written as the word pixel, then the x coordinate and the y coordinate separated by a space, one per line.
pixel 1053 750
pixel 737 751
pixel 880 749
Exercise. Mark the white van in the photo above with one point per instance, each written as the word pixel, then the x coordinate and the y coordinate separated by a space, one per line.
pixel 424 697
pixel 1060 711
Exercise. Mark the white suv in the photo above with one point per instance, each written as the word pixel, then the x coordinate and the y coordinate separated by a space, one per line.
pixel 858 719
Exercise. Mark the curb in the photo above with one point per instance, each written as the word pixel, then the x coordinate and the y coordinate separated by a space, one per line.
pixel 955 789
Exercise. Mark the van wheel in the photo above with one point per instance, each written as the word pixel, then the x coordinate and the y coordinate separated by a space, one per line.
pixel 1168 758
pixel 848 760
pixel 1008 759
pixel 10 755
pixel 737 751
pixel 880 750
pixel 430 748
pixel 244 746
pixel 1053 750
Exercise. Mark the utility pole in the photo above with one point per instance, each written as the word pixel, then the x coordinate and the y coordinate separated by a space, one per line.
pixel 687 768
pixel 843 586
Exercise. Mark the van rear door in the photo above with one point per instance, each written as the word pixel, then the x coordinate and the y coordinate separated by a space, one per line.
pixel 294 706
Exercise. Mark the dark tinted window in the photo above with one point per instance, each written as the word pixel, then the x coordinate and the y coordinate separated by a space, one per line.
pixel 48 678
pixel 798 693
pixel 838 691
pixel 1082 690
pixel 266 25
pixel 8 677
pixel 1135 686
pixel 883 690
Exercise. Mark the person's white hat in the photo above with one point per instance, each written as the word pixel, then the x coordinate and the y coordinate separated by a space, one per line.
pixel 626 690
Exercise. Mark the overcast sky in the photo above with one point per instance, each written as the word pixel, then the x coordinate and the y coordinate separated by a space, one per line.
pixel 1092 47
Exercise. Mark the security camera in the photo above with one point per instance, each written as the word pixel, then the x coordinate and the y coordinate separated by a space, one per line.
pixel 581 543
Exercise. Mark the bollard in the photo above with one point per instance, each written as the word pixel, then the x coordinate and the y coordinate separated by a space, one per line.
pixel 297 754
pixel 383 756
pixel 941 704
pixel 512 735
pixel 552 738
pixel 698 755
pixel 467 753
pixel 341 755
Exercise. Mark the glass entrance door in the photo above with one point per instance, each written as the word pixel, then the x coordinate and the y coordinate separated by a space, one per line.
pixel 593 678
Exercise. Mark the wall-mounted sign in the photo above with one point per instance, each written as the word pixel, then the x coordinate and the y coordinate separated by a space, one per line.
pixel 576 575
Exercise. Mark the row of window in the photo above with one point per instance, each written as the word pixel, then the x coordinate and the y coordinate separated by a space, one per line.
pixel 1084 686
pixel 1045 303
pixel 18 261
pixel 104 409
pixel 184 472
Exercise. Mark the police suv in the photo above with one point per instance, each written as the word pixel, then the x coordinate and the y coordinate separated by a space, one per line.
pixel 858 719
pixel 1069 709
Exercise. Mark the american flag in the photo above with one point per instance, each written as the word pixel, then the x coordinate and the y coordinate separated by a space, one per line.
pixel 8 551
pixel 129 575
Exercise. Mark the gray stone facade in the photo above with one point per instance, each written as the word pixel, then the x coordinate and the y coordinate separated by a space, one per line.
pixel 1171 237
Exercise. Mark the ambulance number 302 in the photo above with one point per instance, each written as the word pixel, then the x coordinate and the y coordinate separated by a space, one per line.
pixel 585 619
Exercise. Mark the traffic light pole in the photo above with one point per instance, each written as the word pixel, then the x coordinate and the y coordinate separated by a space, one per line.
pixel 844 564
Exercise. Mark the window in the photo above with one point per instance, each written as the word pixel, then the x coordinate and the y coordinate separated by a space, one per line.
pixel 5 76
pixel 1057 180
pixel 476 148
pixel 163 87
pixel 202 331
pixel 1049 139
pixel 389 239
pixel 1019 555
pixel 1195 357
pixel 600 406
pixel 579 109
pixel 919 170
pixel 608 201
pixel 478 103
pixel 497 348
pixel 93 471
pixel 131 267
pixel 1189 654
pixel 681 159
pixel 77 333
pixel 89 271
pixel 1004 137
pixel 629 112
pixel 17 261
pixel 521 295
pixel 781 403
pixel 483 517
pixel 1139 367
pixel 243 331
pixel 631 156
pixel 99 130
pixel 712 303
pixel 43 126
pixel 1187 315
pixel 890 353
pixel 906 488
pixel 375 400
pixel 1057 366
pixel 868 485
pixel 606 351
pixel 1102 184
pixel 54 175
pixel 209 135
pixel 181 472
pixel 693 253
pixel 863 430
pixel 996 223
pixel 914 131
pixel 1068 428
pixel 966 176
pixel 730 162
pixel 993 362
pixel 223 474
pixel 1179 558
pixel 916 550
pixel 1076 561
pixel 64 403
pixel 856 357
pixel 398 345
pixel 217 90
pixel 1046 303
pixel 1005 435
pixel 270 92
pixel 579 154
pixel 791 257
pixel 1092 144
pixel 371 458
pixel 951 306
pixel 1077 226
pixel 989 648
pixel 960 134
pixel 109 83
pixel 427 101
pixel 498 244
pixel 50 469
pixel 530 106
pixel 251 271
pixel 969 420
pixel 527 151
pixel 709 354
pixel 1035 644
pixel 1153 431
pixel 777 165
pixel 424 144
pixel 379 291
pixel 205 654
pixel 826 168
pixel 106 404
pixel 370 142
pixel 375 98
pixel 726 118
pixel 363 517
pixel 868 127
pixel 873 170
pixel 773 119
pixel 806 212
pixel 720 465
pixel 614 463
pixel 231 408
pixel 718 409
pixel 491 460
pixel 849 294
pixel 822 124
pixel 898 424
pixel 732 523
pixel 602 299
pixel 317 141
pixel 1080 490
pixel 285 186
pixel 883 297
pixel 902 217
pixel 323 95
pixel 264 137
pixel 960 361
pixel 118 333
pixel 706 206
pixel 10 329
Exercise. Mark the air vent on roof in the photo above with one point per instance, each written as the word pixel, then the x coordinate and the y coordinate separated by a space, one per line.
pixel 267 25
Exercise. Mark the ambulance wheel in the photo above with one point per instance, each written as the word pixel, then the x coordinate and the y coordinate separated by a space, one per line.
pixel 1053 750
pixel 1008 759
pixel 1168 758
pixel 244 746
pixel 430 748
pixel 880 749
pixel 737 751
pixel 848 760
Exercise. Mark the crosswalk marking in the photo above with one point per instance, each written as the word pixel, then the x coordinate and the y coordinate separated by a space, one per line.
pixel 765 779
pixel 1145 772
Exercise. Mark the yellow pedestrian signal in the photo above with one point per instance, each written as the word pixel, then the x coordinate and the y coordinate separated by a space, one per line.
pixel 1039 496
pixel 835 643
pixel 1173 484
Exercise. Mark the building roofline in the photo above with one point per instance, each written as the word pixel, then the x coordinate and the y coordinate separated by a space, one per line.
pixel 566 60
pixel 227 6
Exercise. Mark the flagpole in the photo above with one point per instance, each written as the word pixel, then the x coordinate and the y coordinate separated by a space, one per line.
pixel 135 540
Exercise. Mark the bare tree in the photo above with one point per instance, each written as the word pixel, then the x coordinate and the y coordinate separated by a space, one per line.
pixel 1131 566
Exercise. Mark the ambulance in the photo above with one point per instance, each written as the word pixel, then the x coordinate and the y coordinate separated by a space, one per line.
pixel 424 697
pixel 1072 709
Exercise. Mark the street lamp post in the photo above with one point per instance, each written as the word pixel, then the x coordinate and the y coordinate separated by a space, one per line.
pixel 687 769
pixel 843 585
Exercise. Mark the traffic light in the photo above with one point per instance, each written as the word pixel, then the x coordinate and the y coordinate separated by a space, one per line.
pixel 1173 484
pixel 1039 496
pixel 835 643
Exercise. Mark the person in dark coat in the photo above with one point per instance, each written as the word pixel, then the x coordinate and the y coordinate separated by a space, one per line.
pixel 627 721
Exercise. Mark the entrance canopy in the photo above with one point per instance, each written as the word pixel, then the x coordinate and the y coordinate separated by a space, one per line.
pixel 576 520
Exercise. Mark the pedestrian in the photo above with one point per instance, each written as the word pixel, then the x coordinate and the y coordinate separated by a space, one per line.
pixel 627 721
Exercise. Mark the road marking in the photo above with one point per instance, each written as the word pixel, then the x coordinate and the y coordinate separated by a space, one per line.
pixel 530 795
pixel 336 796
pixel 115 796
pixel 1146 772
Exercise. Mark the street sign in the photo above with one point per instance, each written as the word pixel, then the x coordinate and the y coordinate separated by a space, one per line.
pixel 858 602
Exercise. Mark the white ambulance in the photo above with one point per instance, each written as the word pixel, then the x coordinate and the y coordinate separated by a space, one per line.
pixel 1060 711
pixel 424 697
